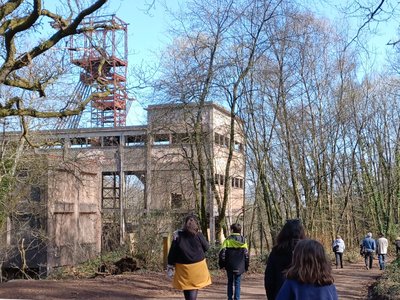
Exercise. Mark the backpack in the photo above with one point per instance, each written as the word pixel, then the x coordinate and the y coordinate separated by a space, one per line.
pixel 335 248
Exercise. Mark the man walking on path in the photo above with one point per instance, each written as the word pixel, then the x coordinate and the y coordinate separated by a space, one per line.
pixel 369 246
pixel 381 250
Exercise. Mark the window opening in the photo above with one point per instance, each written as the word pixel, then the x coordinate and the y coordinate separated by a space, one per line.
pixel 161 139
pixel 36 193
pixel 79 142
pixel 176 200
pixel 135 140
pixel 111 191
pixel 109 141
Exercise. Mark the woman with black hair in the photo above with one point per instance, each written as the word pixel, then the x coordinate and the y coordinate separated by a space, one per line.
pixel 280 257
pixel 187 257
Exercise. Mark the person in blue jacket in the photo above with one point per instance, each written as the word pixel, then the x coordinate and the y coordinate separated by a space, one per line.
pixel 234 258
pixel 280 258
pixel 369 246
pixel 310 274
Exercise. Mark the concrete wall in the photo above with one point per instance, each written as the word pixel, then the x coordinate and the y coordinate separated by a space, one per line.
pixel 167 119
pixel 74 218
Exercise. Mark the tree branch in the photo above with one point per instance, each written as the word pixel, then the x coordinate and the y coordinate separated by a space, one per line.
pixel 7 110
pixel 370 17
pixel 55 38
pixel 9 7
pixel 10 28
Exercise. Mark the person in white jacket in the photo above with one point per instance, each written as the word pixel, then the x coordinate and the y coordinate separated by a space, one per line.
pixel 381 250
pixel 338 247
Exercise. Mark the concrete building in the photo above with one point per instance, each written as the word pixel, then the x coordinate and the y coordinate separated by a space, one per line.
pixel 98 180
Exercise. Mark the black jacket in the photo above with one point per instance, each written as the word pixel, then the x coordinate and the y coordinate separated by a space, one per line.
pixel 278 262
pixel 187 248
pixel 234 256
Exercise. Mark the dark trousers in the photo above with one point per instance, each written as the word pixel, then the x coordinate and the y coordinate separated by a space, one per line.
pixel 233 288
pixel 339 259
pixel 381 259
pixel 190 294
pixel 369 257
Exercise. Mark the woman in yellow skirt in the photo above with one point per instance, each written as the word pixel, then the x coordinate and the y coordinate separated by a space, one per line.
pixel 187 256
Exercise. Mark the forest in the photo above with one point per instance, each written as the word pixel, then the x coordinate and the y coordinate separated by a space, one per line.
pixel 320 120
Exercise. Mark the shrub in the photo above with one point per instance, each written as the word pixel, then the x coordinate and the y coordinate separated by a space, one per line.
pixel 388 286
pixel 257 263
pixel 351 255
pixel 212 257
pixel 148 243
pixel 89 268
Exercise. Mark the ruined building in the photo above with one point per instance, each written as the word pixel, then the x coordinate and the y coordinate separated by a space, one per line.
pixel 99 180
pixel 84 189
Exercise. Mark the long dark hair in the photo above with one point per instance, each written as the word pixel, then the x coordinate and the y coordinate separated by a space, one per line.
pixel 290 234
pixel 310 264
pixel 191 225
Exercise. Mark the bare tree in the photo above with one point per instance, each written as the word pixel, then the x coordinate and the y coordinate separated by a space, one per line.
pixel 312 136
pixel 218 45
pixel 22 20
pixel 31 63
pixel 292 129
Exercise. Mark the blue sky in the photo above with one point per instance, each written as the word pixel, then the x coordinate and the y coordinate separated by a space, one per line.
pixel 147 35
pixel 374 36
pixel 146 31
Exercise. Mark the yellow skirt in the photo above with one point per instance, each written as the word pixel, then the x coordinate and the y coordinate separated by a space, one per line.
pixel 191 276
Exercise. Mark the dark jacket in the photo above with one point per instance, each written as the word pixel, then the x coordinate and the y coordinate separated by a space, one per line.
pixel 234 254
pixel 187 248
pixel 397 243
pixel 278 262
pixel 293 289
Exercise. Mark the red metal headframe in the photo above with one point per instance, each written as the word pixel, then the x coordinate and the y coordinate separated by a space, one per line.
pixel 102 53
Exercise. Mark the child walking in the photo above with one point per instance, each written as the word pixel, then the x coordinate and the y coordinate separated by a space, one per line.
pixel 234 257
pixel 310 275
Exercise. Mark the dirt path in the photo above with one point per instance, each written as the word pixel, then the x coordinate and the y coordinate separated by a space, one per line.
pixel 352 283
pixel 353 280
